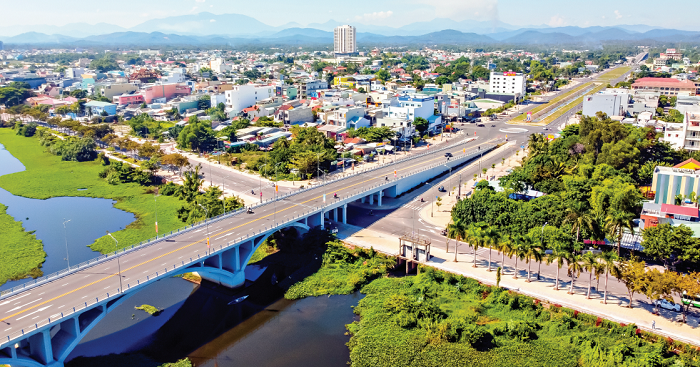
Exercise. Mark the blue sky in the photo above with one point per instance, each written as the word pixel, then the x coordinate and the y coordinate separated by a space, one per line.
pixel 680 14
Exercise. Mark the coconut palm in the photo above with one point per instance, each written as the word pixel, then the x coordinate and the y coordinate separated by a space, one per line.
pixel 517 251
pixel 608 264
pixel 558 256
pixel 575 267
pixel 503 246
pixel 615 222
pixel 531 252
pixel 457 230
pixel 491 239
pixel 475 235
pixel 591 265
pixel 579 218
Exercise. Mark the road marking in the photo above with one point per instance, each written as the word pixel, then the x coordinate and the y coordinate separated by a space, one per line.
pixel 29 314
pixel 14 299
pixel 40 293
pixel 213 236
pixel 63 285
pixel 7 329
pixel 26 304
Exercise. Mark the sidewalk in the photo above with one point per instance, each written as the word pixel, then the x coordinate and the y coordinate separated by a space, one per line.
pixel 441 216
pixel 544 289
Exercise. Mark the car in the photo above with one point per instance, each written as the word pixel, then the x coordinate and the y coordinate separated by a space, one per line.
pixel 441 188
pixel 444 232
pixel 667 305
pixel 545 128
pixel 493 125
pixel 480 125
pixel 448 155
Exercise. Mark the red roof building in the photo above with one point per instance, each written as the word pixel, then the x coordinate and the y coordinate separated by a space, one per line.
pixel 666 86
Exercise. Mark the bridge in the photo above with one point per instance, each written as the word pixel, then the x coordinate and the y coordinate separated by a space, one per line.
pixel 43 321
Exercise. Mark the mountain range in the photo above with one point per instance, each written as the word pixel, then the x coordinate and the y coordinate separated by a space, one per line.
pixel 237 29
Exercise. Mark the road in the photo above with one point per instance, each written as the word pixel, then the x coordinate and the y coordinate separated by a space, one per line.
pixel 24 310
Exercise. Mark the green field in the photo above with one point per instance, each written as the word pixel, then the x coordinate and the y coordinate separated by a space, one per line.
pixel 21 253
pixel 614 74
pixel 47 176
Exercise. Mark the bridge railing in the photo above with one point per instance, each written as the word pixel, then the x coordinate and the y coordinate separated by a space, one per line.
pixel 198 257
pixel 106 257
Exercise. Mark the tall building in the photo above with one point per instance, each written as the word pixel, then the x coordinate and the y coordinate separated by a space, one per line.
pixel 508 82
pixel 345 40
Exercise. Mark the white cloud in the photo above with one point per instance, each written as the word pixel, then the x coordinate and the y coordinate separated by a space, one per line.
pixel 377 15
pixel 200 1
pixel 556 21
pixel 617 14
pixel 194 9
pixel 212 21
pixel 464 9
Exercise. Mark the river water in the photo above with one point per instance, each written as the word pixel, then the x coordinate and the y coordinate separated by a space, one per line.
pixel 198 321
pixel 89 219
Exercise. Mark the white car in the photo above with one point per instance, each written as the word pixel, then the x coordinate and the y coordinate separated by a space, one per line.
pixel 667 305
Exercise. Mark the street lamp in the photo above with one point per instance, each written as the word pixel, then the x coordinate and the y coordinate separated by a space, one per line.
pixel 431 201
pixel 450 174
pixel 260 167
pixel 119 266
pixel 274 214
pixel 207 222
pixel 66 238
pixel 542 243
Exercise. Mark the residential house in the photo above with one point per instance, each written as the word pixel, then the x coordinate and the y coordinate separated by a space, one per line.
pixel 97 107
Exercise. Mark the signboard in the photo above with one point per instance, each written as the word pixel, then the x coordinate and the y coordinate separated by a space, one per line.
pixel 509 73
pixel 529 116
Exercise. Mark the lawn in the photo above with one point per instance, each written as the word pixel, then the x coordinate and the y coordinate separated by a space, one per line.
pixel 21 253
pixel 615 73
pixel 554 101
pixel 48 176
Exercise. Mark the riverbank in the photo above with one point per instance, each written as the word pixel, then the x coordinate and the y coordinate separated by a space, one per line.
pixel 440 318
pixel 47 176
pixel 21 252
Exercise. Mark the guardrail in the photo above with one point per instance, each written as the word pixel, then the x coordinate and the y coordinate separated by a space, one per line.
pixel 177 267
pixel 100 259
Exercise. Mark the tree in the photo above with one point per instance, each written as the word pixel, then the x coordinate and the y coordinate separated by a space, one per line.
pixel 475 237
pixel 684 284
pixel 197 135
pixel 491 239
pixel 575 267
pixel 191 184
pixel 656 285
pixel 631 274
pixel 531 252
pixel 175 159
pixel 204 103
pixel 498 277
pixel 149 150
pixel 517 250
pixel 591 265
pixel 438 202
pixel 558 256
pixel 104 64
pixel 457 230
pixel 382 75
pixel 671 244
pixel 503 246
pixel 616 221
pixel 578 217
pixel 421 125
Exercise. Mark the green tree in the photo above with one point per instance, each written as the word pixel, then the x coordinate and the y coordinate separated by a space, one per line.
pixel 197 135
pixel 559 256
pixel 609 266
pixel 457 230
pixel 574 267
pixel 671 244
pixel 421 125
pixel 491 240
pixel 631 274
pixel 616 222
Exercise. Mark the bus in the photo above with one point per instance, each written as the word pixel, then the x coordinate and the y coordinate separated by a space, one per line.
pixel 686 299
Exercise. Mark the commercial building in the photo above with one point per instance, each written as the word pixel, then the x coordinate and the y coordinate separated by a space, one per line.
pixel 686 135
pixel 673 189
pixel 115 89
pixel 310 88
pixel 97 107
pixel 508 82
pixel 666 86
pixel 164 91
pixel 247 95
pixel 345 40
pixel 612 104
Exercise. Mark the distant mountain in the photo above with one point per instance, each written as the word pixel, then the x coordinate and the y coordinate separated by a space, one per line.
pixel 327 26
pixel 205 24
pixel 72 29
pixel 37 38
pixel 310 32
pixel 539 38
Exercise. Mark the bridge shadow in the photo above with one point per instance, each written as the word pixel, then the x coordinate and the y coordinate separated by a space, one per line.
pixel 210 311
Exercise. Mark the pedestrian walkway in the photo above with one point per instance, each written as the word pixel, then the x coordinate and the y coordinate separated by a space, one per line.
pixel 543 289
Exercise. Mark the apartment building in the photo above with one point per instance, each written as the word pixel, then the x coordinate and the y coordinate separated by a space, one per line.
pixel 345 40
pixel 243 96
pixel 508 82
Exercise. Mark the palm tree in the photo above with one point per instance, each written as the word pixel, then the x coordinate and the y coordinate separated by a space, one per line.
pixel 503 246
pixel 590 264
pixel 517 249
pixel 615 222
pixel 607 261
pixel 579 218
pixel 457 230
pixel 575 268
pixel 531 252
pixel 491 239
pixel 474 233
pixel 558 256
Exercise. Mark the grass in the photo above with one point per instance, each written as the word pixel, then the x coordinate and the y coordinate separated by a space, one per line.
pixel 615 73
pixel 47 176
pixel 442 319
pixel 21 252
pixel 149 309
pixel 554 101
pixel 560 112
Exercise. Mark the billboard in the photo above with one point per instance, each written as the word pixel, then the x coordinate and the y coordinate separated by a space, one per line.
pixel 509 73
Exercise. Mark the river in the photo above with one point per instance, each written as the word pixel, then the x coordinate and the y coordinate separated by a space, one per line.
pixel 89 219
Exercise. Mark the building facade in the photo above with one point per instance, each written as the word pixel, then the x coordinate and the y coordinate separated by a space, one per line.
pixel 666 86
pixel 243 96
pixel 345 40
pixel 508 82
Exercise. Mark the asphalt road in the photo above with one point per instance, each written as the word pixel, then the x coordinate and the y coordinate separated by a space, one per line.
pixel 37 305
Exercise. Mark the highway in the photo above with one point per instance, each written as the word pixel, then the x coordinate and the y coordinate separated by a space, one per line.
pixel 38 304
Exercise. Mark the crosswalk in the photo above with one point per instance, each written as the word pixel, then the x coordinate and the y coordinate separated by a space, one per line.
pixel 415 206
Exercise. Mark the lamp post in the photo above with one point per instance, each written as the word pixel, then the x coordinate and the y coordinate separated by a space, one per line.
pixel 542 243
pixel 207 222
pixel 260 167
pixel 274 214
pixel 450 174
pixel 431 201
pixel 66 238
pixel 121 289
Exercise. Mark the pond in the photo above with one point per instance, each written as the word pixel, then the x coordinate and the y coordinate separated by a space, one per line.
pixel 89 219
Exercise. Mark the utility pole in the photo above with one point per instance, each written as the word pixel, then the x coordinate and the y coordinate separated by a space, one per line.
pixel 66 238
pixel 121 289
pixel 459 187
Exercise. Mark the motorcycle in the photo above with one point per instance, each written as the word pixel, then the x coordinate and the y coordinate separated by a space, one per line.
pixel 250 211
pixel 421 200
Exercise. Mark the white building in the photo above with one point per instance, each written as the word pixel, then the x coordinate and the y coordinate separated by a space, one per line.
pixel 218 65
pixel 508 82
pixel 243 96
pixel 345 40
pixel 349 117
pixel 73 73
pixel 686 135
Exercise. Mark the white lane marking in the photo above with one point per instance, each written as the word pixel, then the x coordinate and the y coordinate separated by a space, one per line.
pixel 41 293
pixel 7 329
pixel 63 285
pixel 13 299
pixel 29 314
pixel 83 297
pixel 144 254
pixel 108 287
pixel 18 307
